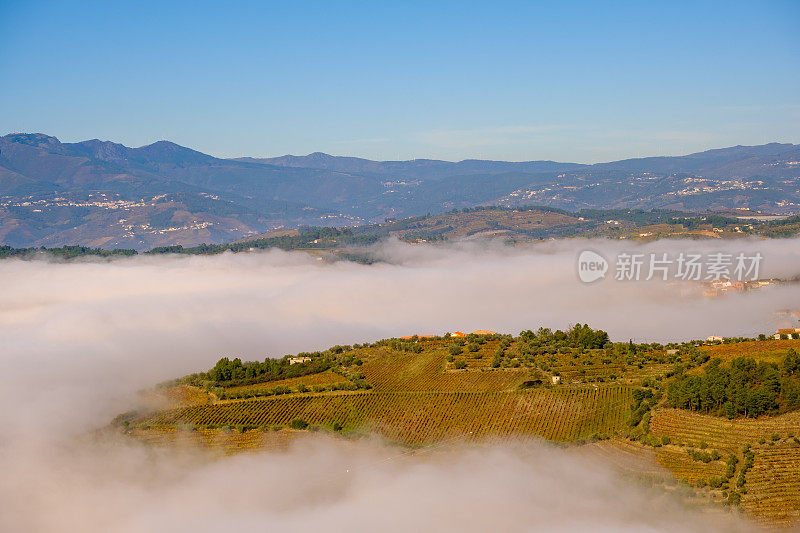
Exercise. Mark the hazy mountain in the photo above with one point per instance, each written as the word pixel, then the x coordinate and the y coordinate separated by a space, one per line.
pixel 765 161
pixel 107 194
pixel 416 168
pixel 736 161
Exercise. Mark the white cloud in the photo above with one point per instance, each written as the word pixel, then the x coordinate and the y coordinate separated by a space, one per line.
pixel 80 338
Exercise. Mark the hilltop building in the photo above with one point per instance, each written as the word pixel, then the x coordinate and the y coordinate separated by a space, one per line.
pixel 792 333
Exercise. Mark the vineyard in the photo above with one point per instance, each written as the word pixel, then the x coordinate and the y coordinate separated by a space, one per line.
pixel 679 462
pixel 323 378
pixel 626 456
pixel 420 392
pixel 178 395
pixel 769 350
pixel 598 372
pixel 217 440
pixel 389 370
pixel 770 488
pixel 692 429
pixel 397 371
pixel 773 485
pixel 416 398
pixel 425 417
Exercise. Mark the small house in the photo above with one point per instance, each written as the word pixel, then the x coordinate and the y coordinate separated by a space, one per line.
pixel 296 360
pixel 791 333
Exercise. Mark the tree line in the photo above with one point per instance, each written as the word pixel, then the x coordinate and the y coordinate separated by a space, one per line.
pixel 64 252
pixel 745 388
pixel 307 237
pixel 230 372
pixel 579 336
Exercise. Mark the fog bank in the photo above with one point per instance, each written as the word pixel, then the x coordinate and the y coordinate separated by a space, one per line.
pixel 332 485
pixel 79 338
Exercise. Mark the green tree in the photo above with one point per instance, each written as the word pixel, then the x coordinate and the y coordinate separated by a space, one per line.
pixel 298 423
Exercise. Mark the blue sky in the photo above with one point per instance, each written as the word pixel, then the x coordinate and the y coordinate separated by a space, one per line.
pixel 570 81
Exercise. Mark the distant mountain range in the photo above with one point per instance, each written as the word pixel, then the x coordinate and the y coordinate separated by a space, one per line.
pixel 100 193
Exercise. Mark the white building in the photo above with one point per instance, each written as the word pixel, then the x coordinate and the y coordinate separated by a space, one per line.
pixel 792 333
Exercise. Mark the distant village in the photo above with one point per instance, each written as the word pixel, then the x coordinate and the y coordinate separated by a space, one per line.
pixel 720 287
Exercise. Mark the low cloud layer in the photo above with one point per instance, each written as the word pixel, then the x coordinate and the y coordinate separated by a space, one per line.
pixel 330 485
pixel 78 339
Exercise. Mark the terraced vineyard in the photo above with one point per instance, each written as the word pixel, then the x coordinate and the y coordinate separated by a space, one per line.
pixel 684 467
pixel 771 490
pixel 426 417
pixel 397 371
pixel 416 400
pixel 769 350
pixel 690 428
pixel 609 372
pixel 420 392
pixel 631 458
pixel 323 378
pixel 773 483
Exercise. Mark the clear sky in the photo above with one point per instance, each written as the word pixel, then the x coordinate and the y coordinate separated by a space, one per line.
pixel 569 81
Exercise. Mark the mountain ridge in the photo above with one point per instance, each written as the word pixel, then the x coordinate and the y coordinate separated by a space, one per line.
pixel 102 193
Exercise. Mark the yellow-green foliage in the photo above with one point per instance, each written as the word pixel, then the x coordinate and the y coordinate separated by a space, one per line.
pixel 427 417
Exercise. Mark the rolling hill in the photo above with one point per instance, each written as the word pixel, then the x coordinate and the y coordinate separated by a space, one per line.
pixel 573 387
pixel 103 194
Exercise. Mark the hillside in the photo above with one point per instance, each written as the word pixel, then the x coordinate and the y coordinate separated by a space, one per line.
pixel 571 387
pixel 104 194
pixel 511 226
